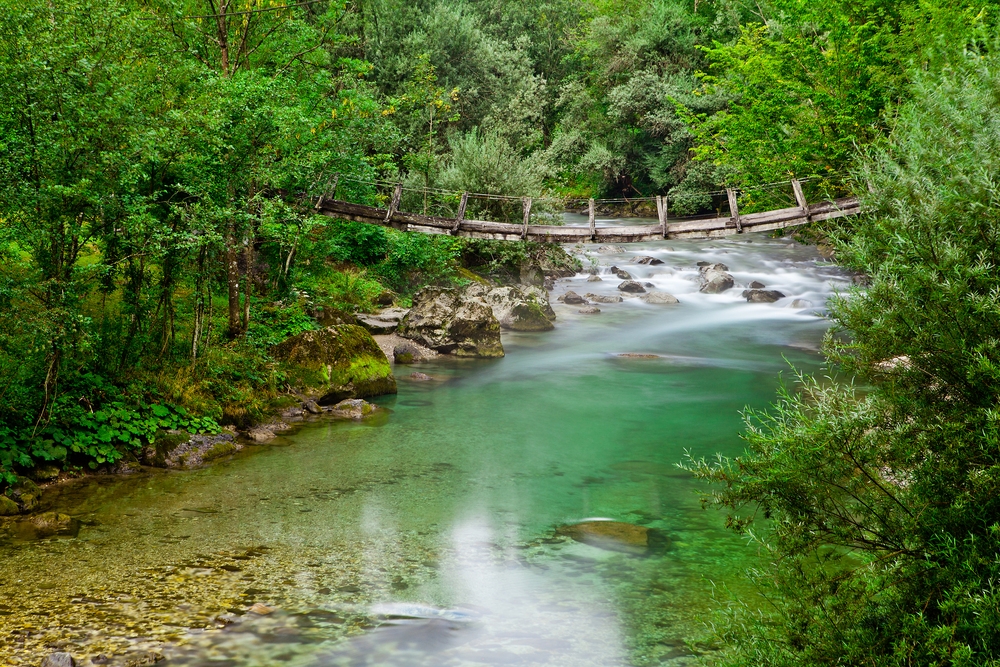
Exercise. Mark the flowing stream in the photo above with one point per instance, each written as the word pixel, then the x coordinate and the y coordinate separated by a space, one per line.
pixel 428 536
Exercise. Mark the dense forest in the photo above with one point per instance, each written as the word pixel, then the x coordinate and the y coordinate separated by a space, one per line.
pixel 159 160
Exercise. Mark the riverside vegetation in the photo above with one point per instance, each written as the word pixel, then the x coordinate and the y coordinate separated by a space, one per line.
pixel 157 242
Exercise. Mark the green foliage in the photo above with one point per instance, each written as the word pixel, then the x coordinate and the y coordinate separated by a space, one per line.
pixel 882 505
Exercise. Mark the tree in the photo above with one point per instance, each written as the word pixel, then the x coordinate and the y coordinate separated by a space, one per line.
pixel 878 501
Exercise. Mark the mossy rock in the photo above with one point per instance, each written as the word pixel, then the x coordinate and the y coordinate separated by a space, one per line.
pixel 218 450
pixel 471 276
pixel 617 536
pixel 156 453
pixel 342 361
pixel 8 507
pixel 26 493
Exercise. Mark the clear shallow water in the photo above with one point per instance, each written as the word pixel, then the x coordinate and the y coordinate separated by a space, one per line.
pixel 427 537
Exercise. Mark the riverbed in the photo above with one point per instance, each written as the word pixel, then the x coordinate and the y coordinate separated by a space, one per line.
pixel 427 536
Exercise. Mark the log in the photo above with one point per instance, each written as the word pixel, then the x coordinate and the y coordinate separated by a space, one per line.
pixel 461 213
pixel 734 210
pixel 800 197
pixel 394 204
pixel 661 211
pixel 527 216
pixel 592 220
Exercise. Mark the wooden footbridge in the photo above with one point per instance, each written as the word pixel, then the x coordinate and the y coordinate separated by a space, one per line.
pixel 666 228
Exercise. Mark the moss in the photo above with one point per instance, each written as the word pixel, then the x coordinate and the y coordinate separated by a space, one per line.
pixel 465 273
pixel 342 361
pixel 8 507
pixel 219 450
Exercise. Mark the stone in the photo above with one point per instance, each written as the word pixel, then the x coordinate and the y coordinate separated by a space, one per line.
pixel 762 295
pixel 622 274
pixel 573 299
pixel 410 353
pixel 260 434
pixel 801 303
pixel 611 249
pixel 8 507
pixel 341 361
pixel 444 320
pixel 659 298
pixel 352 408
pixel 756 284
pixel 384 322
pixel 59 660
pixel 531 274
pixel 648 260
pixel 261 609
pixel 221 449
pixel 590 310
pixel 420 377
pixel 638 355
pixel 631 286
pixel 715 278
pixel 615 536
pixel 604 298
pixel 312 407
pixel 648 285
pixel 594 278
pixel 517 309
pixel 141 658
pixel 51 523
pixel 26 493
pixel 45 473
pixel 701 264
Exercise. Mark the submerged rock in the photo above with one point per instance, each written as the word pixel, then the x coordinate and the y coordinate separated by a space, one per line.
pixel 261 434
pixel 756 284
pixel 25 493
pixel 715 278
pixel 616 536
pixel 801 303
pixel 52 523
pixel 762 295
pixel 611 249
pixel 59 660
pixel 590 310
pixel 420 377
pixel 621 274
pixel 631 286
pixel 342 361
pixel 594 278
pixel 638 355
pixel 648 260
pixel 659 298
pixel 445 321
pixel 604 298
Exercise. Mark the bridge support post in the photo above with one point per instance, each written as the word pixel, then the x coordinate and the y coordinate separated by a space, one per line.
pixel 527 216
pixel 592 220
pixel 800 198
pixel 397 195
pixel 461 213
pixel 661 212
pixel 333 194
pixel 734 210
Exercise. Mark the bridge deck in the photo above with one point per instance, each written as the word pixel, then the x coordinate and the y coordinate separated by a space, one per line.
pixel 485 229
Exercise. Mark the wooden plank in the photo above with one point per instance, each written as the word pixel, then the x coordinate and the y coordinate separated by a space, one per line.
pixel 461 212
pixel 734 210
pixel 800 197
pixel 771 216
pixel 591 218
pixel 526 202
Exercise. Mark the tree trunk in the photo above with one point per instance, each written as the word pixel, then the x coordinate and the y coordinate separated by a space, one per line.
pixel 233 286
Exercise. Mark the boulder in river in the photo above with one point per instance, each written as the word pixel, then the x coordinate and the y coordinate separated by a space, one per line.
pixel 444 320
pixel 756 284
pixel 611 250
pixel 342 361
pixel 631 286
pixel 352 408
pixel 594 278
pixel 590 310
pixel 801 303
pixel 621 274
pixel 604 298
pixel 516 309
pixel 762 295
pixel 616 536
pixel 715 278
pixel 25 493
pixel 572 298
pixel 648 260
pixel 659 298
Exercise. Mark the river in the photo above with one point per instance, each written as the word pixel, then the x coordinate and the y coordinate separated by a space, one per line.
pixel 427 536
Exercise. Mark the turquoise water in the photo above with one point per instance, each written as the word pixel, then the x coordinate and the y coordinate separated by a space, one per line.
pixel 427 537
